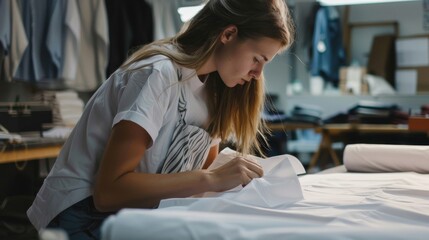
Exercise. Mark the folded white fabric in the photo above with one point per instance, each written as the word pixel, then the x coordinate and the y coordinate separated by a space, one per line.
pixel 57 132
pixel 386 158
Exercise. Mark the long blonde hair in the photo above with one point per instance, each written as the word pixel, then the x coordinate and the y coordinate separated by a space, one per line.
pixel 234 111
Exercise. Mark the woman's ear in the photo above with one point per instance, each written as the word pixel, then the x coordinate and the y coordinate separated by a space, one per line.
pixel 229 34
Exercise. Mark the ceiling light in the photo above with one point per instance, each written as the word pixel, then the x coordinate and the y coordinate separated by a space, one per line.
pixel 186 13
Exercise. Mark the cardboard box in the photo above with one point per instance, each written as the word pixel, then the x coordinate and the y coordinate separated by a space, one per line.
pixel 347 81
pixel 382 58
pixel 418 124
pixel 416 77
pixel 412 60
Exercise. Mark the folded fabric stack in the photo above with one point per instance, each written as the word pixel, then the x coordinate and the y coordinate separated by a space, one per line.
pixel 371 112
pixel 307 113
pixel 67 107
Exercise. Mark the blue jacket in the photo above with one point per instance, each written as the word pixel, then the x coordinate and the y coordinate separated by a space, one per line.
pixel 328 51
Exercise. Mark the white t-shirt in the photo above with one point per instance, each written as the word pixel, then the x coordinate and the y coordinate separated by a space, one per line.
pixel 151 103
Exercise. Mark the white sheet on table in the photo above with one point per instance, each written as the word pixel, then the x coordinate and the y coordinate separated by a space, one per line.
pixel 386 158
pixel 335 206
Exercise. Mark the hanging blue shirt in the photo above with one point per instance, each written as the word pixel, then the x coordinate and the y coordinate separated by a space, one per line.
pixel 328 51
pixel 43 21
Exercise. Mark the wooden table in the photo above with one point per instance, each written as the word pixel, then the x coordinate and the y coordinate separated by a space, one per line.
pixel 289 126
pixel 330 131
pixel 31 153
pixel 336 131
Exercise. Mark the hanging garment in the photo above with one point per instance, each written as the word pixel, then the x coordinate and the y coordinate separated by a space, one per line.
pixel 15 47
pixel 71 40
pixel 2 56
pixel 130 26
pixel 305 15
pixel 328 51
pixel 5 24
pixel 166 21
pixel 93 46
pixel 43 22
pixel 4 34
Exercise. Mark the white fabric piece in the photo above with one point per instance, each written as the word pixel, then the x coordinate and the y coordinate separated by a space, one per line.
pixel 69 107
pixel 335 206
pixel 71 42
pixel 18 44
pixel 10 137
pixel 279 186
pixel 53 234
pixel 93 46
pixel 386 158
pixel 176 224
pixel 268 164
pixel 66 95
pixel 57 132
pixel 378 85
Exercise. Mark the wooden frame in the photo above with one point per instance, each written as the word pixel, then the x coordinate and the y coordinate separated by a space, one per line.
pixel 350 26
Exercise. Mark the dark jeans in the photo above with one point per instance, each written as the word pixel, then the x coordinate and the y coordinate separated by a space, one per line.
pixel 81 220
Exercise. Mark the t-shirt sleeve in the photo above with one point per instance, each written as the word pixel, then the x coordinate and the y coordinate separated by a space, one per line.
pixel 144 100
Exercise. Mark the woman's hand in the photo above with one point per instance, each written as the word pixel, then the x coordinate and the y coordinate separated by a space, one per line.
pixel 238 171
pixel 118 185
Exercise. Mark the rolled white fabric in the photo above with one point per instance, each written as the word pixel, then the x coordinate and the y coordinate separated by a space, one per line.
pixel 386 158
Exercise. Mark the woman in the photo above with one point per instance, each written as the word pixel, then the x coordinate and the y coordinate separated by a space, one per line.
pixel 151 130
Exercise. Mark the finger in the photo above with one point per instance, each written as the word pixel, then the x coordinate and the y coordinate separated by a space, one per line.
pixel 249 161
pixel 249 176
pixel 249 165
pixel 246 180
pixel 255 167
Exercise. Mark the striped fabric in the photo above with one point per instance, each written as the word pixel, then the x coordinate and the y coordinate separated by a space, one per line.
pixel 189 146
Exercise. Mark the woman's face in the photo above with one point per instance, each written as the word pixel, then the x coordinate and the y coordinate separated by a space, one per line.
pixel 238 62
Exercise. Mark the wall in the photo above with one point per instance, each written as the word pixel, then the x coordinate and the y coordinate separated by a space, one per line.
pixel 278 73
pixel 11 91
pixel 409 16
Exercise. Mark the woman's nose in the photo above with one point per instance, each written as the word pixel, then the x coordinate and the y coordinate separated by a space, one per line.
pixel 256 71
